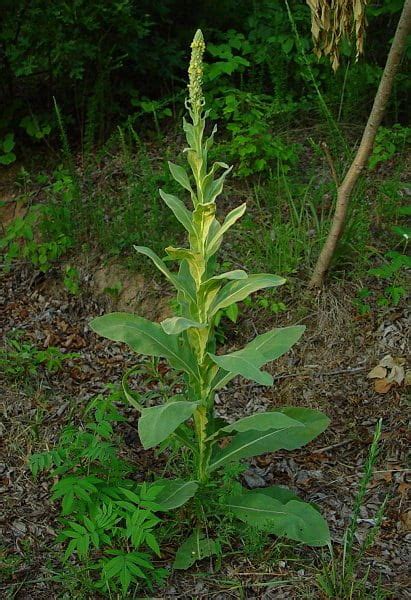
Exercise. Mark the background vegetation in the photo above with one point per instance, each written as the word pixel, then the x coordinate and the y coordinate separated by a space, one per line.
pixel 91 103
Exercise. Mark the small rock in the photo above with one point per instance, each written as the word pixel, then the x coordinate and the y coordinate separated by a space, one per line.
pixel 253 479
pixel 19 528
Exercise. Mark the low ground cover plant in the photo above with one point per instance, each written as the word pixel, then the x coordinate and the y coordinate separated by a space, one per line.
pixel 187 341
pixel 107 521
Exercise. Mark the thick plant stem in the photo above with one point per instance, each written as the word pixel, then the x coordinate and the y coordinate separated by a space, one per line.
pixel 365 148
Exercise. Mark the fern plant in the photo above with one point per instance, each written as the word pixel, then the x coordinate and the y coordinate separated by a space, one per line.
pixel 108 520
pixel 187 341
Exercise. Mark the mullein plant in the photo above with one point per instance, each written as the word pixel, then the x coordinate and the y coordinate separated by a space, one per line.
pixel 187 342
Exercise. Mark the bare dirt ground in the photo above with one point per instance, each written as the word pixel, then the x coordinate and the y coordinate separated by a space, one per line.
pixel 327 370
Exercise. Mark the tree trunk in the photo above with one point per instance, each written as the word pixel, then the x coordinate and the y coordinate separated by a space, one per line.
pixel 365 147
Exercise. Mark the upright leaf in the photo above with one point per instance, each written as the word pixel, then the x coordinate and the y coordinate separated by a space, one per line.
pixel 158 422
pixel 235 291
pixel 159 264
pixel 180 175
pixel 181 213
pixel 231 218
pixel 174 493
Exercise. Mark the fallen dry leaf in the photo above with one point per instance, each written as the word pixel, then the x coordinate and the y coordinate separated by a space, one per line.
pixel 388 372
pixel 382 386
pixel 389 362
pixel 406 520
pixel 377 372
pixel 75 341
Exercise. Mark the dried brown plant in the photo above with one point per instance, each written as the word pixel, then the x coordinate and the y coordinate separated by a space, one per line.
pixel 333 20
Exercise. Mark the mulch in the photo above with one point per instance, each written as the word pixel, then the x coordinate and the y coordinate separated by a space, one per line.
pixel 326 370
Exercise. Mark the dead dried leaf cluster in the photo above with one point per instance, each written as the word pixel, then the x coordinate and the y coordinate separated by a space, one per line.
pixel 334 20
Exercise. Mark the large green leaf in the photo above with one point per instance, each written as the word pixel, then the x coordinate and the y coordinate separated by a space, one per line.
pixel 276 342
pixel 181 213
pixel 295 519
pixel 233 275
pixel 262 422
pixel 253 443
pixel 230 219
pixel 174 493
pixel 158 422
pixel 196 547
pixel 314 421
pixel 280 493
pixel 243 363
pixel 175 325
pixel 263 349
pixel 145 337
pixel 235 291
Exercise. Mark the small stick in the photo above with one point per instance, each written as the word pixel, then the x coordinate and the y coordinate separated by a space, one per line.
pixel 343 443
pixel 326 150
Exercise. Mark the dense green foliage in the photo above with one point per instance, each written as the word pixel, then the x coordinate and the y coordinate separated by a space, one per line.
pixel 106 84
pixel 103 61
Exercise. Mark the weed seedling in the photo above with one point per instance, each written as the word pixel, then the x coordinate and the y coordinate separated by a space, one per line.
pixel 341 578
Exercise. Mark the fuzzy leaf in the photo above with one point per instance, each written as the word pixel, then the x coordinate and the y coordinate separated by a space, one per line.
pixel 231 218
pixel 179 210
pixel 267 347
pixel 262 422
pixel 145 337
pixel 160 265
pixel 273 344
pixel 196 547
pixel 180 175
pixel 212 188
pixel 158 422
pixel 174 493
pixel 235 291
pixel 253 443
pixel 232 275
pixel 295 519
pixel 175 325
pixel 243 363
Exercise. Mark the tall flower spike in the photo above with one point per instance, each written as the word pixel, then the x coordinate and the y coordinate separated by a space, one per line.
pixel 195 72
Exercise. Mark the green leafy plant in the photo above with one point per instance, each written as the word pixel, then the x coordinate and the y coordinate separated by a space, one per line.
pixel 361 302
pixel 7 144
pixel 158 109
pixel 254 143
pixel 35 126
pixel 187 342
pixel 19 242
pixel 71 280
pixel 388 143
pixel 20 358
pixel 392 272
pixel 341 577
pixel 108 520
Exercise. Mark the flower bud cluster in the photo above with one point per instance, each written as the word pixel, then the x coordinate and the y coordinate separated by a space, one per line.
pixel 195 72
